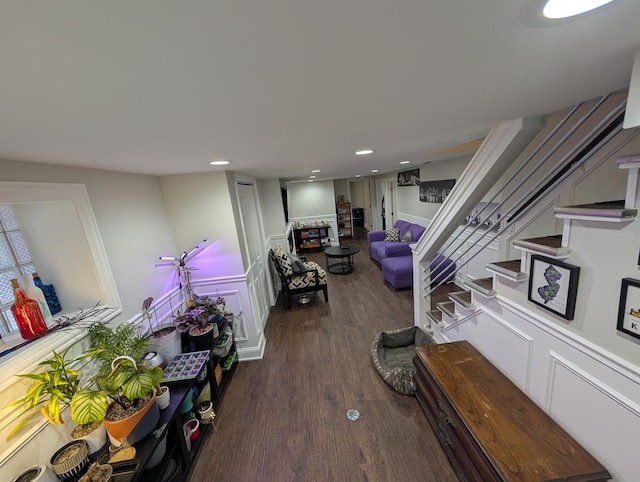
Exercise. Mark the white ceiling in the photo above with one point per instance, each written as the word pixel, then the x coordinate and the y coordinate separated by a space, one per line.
pixel 283 87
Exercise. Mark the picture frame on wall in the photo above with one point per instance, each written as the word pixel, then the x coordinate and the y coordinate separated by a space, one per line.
pixel 409 178
pixel 436 191
pixel 553 285
pixel 629 307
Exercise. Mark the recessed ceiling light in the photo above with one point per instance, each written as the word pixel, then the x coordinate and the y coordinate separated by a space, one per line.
pixel 364 152
pixel 570 8
pixel 357 175
pixel 551 13
pixel 220 162
pixel 310 180
pixel 316 170
pixel 374 170
pixel 405 162
pixel 312 177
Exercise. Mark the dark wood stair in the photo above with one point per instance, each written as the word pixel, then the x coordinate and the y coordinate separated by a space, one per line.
pixel 484 286
pixel 435 316
pixel 508 269
pixel 548 245
pixel 448 308
pixel 610 211
pixel 463 298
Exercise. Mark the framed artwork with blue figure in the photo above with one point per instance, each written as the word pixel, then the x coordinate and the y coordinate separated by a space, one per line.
pixel 553 285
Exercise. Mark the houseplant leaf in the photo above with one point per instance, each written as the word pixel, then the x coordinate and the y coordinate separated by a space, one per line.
pixel 88 406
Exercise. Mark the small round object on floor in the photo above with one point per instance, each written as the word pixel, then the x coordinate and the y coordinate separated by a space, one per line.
pixel 353 414
pixel 304 299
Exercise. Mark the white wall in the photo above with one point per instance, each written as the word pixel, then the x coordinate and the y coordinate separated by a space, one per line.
pixel 409 196
pixel 271 208
pixel 132 220
pixel 311 199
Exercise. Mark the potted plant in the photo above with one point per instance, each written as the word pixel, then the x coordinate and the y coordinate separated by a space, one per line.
pixel 51 391
pixel 166 340
pixel 70 460
pixel 132 412
pixel 200 319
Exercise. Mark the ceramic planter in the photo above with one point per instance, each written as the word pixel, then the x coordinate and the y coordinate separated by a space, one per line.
pixel 163 398
pixel 167 343
pixel 37 474
pixel 70 460
pixel 95 439
pixel 201 340
pixel 135 427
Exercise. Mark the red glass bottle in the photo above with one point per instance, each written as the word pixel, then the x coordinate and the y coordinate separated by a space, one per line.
pixel 27 313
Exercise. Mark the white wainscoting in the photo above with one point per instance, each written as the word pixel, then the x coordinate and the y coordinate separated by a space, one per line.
pixel 590 392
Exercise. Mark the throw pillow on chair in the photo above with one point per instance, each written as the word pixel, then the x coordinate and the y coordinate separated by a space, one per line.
pixel 392 235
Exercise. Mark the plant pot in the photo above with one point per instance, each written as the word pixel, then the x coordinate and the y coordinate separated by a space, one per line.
pixel 202 338
pixel 134 427
pixel 70 460
pixel 158 453
pixel 194 428
pixel 37 474
pixel 167 342
pixel 95 439
pixel 205 412
pixel 163 398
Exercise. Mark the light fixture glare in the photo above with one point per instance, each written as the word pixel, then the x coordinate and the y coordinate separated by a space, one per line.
pixel 364 152
pixel 569 8
pixel 405 162
pixel 220 162
pixel 316 170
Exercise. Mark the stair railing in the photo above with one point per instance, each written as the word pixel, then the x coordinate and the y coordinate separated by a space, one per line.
pixel 609 126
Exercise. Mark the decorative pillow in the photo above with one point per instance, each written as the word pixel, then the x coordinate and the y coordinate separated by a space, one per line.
pixel 393 235
pixel 408 237
pixel 296 264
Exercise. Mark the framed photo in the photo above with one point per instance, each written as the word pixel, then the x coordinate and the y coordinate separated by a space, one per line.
pixel 629 308
pixel 409 178
pixel 436 191
pixel 553 285
pixel 341 199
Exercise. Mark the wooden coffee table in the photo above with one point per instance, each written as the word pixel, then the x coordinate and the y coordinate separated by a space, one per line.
pixel 344 254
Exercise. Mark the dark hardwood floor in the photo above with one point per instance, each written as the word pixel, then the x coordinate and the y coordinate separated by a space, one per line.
pixel 284 418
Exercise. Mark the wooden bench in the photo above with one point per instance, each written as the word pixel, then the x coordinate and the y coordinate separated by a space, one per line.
pixel 489 429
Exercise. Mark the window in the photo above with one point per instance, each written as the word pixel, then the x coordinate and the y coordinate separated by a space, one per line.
pixel 15 261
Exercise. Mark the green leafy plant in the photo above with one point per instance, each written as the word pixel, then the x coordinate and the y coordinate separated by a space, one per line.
pixel 110 343
pixel 124 384
pixel 200 311
pixel 51 390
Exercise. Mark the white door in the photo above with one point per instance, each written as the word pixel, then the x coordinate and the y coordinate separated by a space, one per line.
pixel 257 271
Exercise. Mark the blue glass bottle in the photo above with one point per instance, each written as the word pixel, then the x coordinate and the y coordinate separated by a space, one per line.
pixel 49 294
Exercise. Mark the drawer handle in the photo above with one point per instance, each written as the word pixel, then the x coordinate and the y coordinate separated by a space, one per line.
pixel 444 437
pixel 444 414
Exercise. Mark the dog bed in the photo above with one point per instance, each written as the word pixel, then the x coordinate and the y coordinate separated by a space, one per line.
pixel 392 353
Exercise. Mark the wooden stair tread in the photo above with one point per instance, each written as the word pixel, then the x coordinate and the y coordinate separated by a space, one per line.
pixel 463 298
pixel 435 316
pixel 448 308
pixel 549 245
pixel 509 269
pixel 483 286
pixel 608 210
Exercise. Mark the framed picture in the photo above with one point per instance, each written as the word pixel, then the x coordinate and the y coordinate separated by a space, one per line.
pixel 629 308
pixel 436 191
pixel 341 199
pixel 553 285
pixel 409 178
